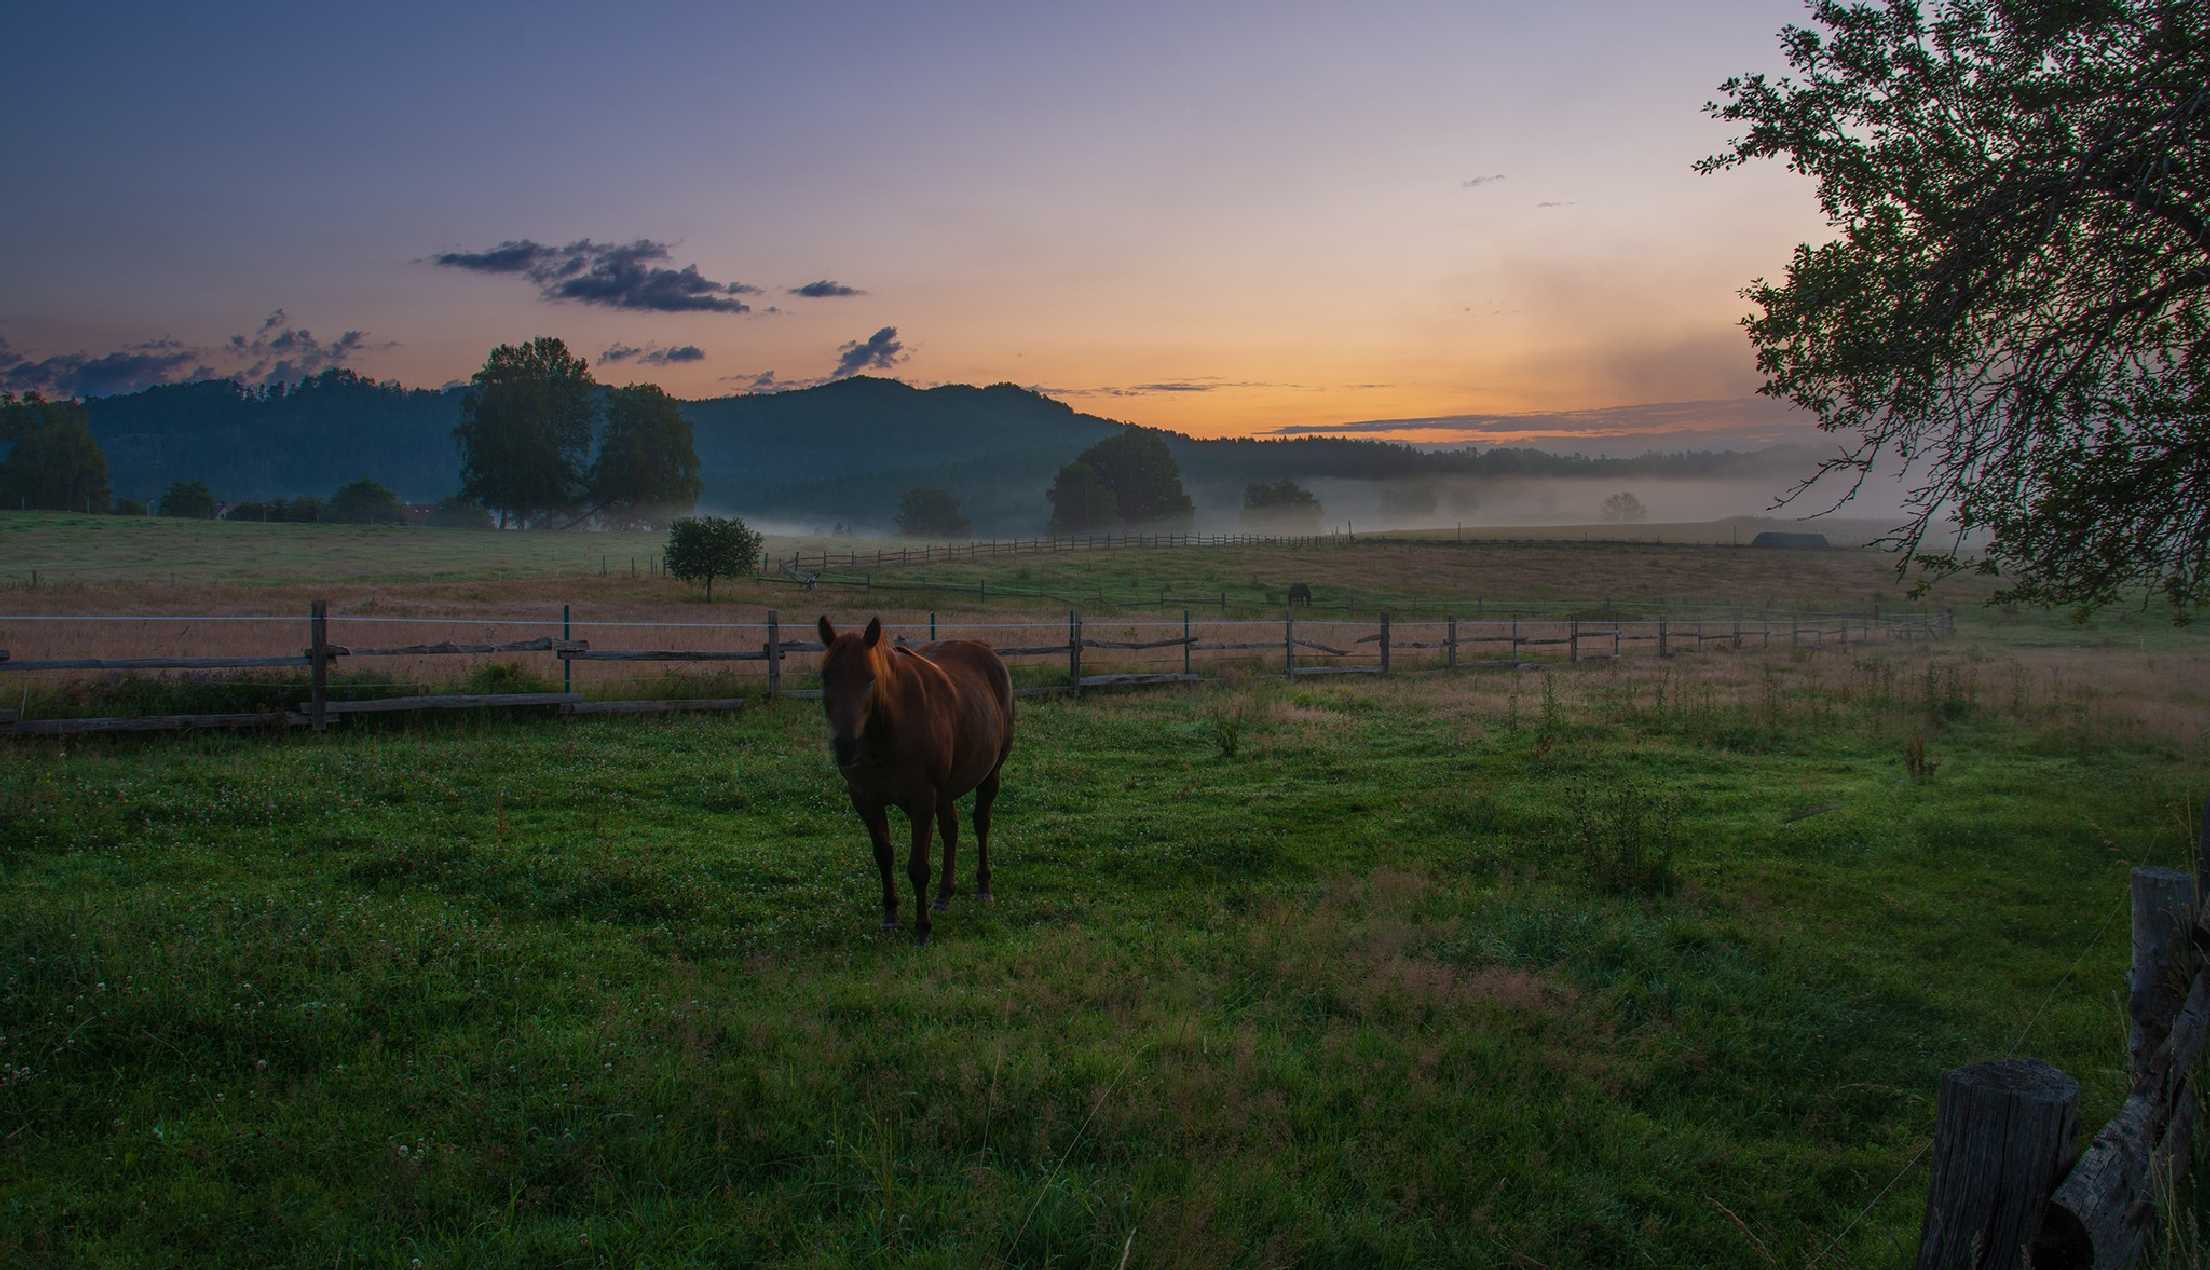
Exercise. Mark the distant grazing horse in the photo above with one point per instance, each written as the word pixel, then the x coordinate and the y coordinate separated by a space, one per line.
pixel 1300 591
pixel 915 729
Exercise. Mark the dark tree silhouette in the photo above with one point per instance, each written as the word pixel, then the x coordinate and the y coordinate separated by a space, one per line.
pixel 189 499
pixel 647 468
pixel 703 548
pixel 525 430
pixel 929 512
pixel 2015 305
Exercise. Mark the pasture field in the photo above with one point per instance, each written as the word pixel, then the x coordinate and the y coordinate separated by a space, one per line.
pixel 1640 963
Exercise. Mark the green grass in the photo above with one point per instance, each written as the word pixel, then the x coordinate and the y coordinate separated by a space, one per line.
pixel 1352 990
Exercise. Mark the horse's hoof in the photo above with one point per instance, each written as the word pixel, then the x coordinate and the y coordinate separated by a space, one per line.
pixel 941 902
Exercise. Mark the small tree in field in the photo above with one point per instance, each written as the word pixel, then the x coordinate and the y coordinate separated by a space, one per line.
pixel 928 512
pixel 702 548
pixel 1624 509
pixel 191 499
pixel 365 502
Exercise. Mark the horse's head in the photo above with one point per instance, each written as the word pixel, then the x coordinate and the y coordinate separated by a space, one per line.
pixel 848 670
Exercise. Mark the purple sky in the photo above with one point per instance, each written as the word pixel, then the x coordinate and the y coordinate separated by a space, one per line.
pixel 1227 219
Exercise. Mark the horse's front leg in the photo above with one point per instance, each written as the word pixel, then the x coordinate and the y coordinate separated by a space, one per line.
pixel 922 812
pixel 877 821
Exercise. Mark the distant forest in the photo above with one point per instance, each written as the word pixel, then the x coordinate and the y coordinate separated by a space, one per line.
pixel 844 452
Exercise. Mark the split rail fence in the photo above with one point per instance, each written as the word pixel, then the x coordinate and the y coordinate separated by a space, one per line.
pixel 1307 647
pixel 2009 1185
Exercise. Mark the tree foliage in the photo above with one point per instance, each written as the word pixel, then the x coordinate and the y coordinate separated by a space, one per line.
pixel 54 463
pixel 1624 509
pixel 647 468
pixel 189 499
pixel 365 502
pixel 2013 306
pixel 525 430
pixel 458 511
pixel 702 548
pixel 1281 505
pixel 930 512
pixel 1141 482
pixel 279 511
pixel 1081 502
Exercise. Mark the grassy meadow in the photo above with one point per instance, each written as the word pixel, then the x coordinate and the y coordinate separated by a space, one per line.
pixel 1636 963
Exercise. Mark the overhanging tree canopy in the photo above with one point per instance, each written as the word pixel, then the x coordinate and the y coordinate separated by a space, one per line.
pixel 2014 304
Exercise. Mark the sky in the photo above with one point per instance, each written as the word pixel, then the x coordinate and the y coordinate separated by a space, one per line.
pixel 1436 223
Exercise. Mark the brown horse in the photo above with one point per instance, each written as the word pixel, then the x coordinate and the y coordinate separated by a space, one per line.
pixel 915 729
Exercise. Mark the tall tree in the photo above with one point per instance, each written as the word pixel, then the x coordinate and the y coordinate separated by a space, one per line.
pixel 932 512
pixel 1624 508
pixel 1146 483
pixel 647 468
pixel 364 502
pixel 2015 305
pixel 1081 502
pixel 525 430
pixel 1281 505
pixel 56 465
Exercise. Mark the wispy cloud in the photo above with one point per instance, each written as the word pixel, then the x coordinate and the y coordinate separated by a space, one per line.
pixel 126 369
pixel 281 353
pixel 1195 383
pixel 825 288
pixel 276 352
pixel 1555 203
pixel 879 351
pixel 611 275
pixel 1479 181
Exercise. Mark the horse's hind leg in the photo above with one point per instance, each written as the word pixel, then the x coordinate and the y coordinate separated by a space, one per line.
pixel 947 828
pixel 985 794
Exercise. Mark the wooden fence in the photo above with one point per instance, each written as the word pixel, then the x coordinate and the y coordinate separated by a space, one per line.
pixel 2009 1187
pixel 1511 642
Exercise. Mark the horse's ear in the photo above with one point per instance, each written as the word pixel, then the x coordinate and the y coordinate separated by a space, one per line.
pixel 874 631
pixel 828 632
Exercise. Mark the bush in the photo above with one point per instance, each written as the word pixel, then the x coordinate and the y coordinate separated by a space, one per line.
pixel 1627 836
pixel 702 548
pixel 129 507
pixel 189 499
pixel 365 502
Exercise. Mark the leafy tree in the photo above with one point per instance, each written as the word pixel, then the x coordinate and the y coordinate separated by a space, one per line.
pixel 1146 483
pixel 525 430
pixel 647 468
pixel 930 512
pixel 299 511
pixel 2015 303
pixel 129 507
pixel 1624 509
pixel 365 503
pixel 57 465
pixel 1081 502
pixel 189 499
pixel 1281 504
pixel 458 511
pixel 702 548
pixel 21 416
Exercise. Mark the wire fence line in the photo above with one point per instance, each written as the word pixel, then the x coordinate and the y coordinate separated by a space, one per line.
pixel 759 653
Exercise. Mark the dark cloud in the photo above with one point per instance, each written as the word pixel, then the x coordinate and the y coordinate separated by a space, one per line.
pixel 652 356
pixel 1752 420
pixel 763 381
pixel 162 361
pixel 825 289
pixel 879 351
pixel 1479 181
pixel 612 275
pixel 278 353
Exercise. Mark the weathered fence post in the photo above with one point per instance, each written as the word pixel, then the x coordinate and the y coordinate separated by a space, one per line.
pixel 1573 639
pixel 2202 857
pixel 932 626
pixel 318 672
pixel 1794 630
pixel 1661 647
pixel 1515 639
pixel 1738 632
pixel 1074 650
pixel 774 655
pixel 1450 645
pixel 567 666
pixel 1289 644
pixel 2163 910
pixel 2003 1134
pixel 1185 642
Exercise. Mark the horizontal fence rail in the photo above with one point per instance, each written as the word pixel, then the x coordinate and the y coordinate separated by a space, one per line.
pixel 1134 648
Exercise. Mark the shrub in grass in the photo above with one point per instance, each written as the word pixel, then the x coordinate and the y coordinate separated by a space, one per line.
pixel 1626 836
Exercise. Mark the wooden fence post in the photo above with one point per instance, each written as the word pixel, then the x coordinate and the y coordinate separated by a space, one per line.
pixel 1794 629
pixel 1384 643
pixel 1737 632
pixel 1074 650
pixel 1289 644
pixel 1185 641
pixel 2003 1134
pixel 1450 645
pixel 2163 910
pixel 1661 651
pixel 567 667
pixel 774 655
pixel 1515 639
pixel 1573 639
pixel 2202 857
pixel 318 672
